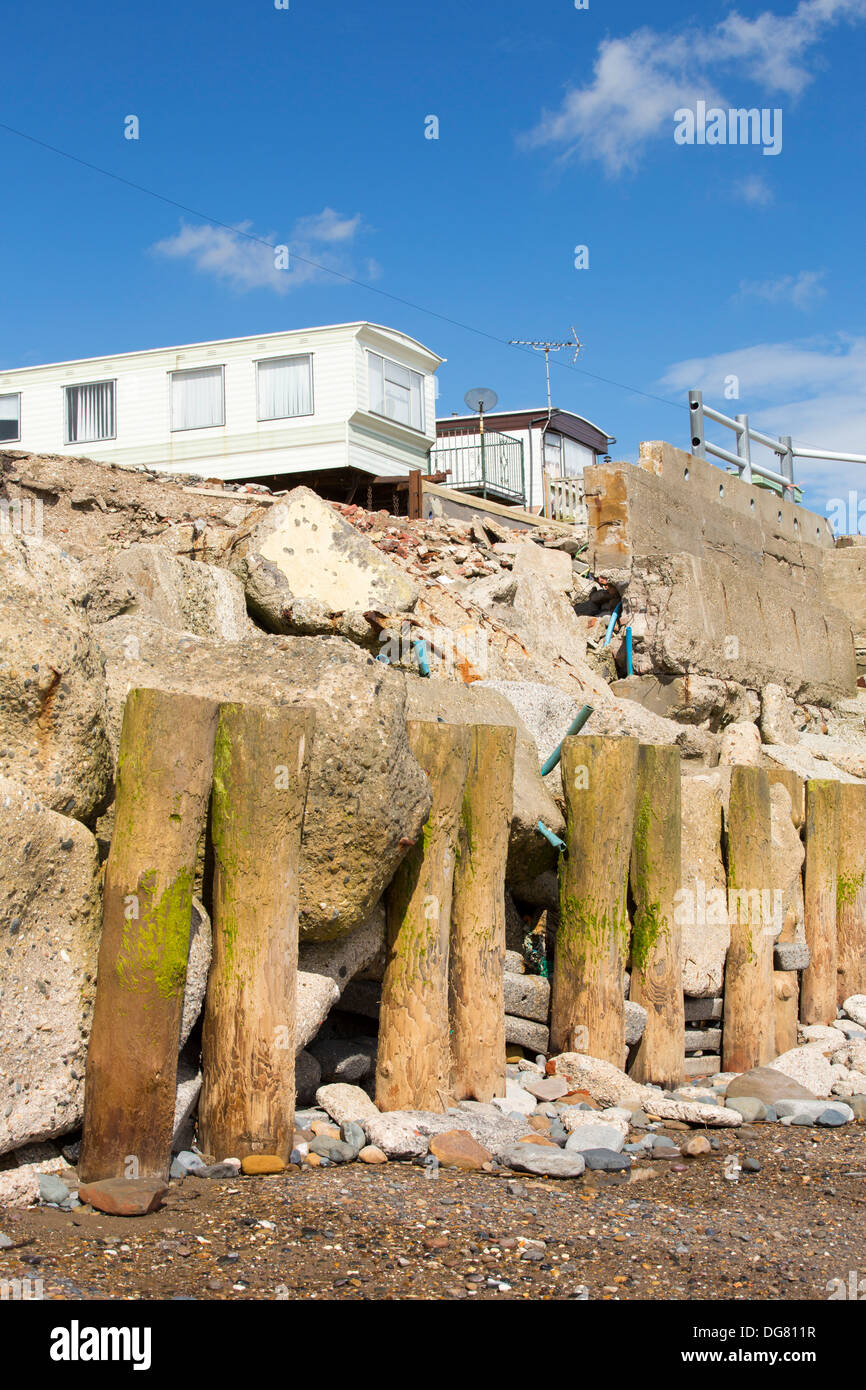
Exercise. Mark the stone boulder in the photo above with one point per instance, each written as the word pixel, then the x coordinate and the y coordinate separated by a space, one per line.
pixel 50 923
pixel 777 709
pixel 303 566
pixel 767 1085
pixel 197 967
pixel 855 1007
pixel 50 926
pixel 689 699
pixel 529 854
pixel 368 797
pixel 833 762
pixel 809 1066
pixel 611 1087
pixel 52 685
pixel 542 613
pixel 185 595
pixel 740 745
pixel 546 712
pixel 704 882
pixel 406 1133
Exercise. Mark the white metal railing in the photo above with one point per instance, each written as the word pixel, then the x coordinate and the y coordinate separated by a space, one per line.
pixel 564 500
pixel 742 459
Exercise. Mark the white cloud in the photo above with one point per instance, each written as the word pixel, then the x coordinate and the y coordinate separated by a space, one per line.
pixel 327 225
pixel 801 290
pixel 754 190
pixel 639 81
pixel 810 389
pixel 248 261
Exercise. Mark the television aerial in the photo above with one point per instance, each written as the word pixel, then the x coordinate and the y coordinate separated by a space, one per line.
pixel 547 347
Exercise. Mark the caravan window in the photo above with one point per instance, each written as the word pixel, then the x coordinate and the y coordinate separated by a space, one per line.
pixel 396 391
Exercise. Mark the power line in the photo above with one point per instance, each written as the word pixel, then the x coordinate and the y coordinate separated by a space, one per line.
pixel 329 270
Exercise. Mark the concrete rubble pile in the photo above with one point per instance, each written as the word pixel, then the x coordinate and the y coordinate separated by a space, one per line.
pixel 187 585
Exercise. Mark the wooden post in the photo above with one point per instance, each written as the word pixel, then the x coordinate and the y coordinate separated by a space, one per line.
pixel 656 877
pixel 416 494
pixel 414 1057
pixel 588 1006
pixel 818 984
pixel 851 892
pixel 786 983
pixel 477 951
pixel 164 771
pixel 786 992
pixel 748 1039
pixel 261 772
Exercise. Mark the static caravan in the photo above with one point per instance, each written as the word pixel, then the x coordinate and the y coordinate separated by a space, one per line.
pixel 337 406
pixel 525 452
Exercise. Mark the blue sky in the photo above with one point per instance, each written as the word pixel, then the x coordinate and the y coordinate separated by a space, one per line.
pixel 306 126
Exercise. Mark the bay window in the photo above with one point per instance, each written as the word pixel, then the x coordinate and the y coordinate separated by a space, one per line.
pixel 396 391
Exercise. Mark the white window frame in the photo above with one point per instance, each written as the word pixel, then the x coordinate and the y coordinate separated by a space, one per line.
pixel 7 395
pixel 548 463
pixel 422 379
pixel 287 357
pixel 75 386
pixel 184 371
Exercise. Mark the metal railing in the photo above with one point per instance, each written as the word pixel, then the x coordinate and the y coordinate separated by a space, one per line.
pixel 490 463
pixel 782 446
pixel 742 459
pixel 564 499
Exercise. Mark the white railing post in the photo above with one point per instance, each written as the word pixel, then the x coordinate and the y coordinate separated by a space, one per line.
pixel 744 448
pixel 696 424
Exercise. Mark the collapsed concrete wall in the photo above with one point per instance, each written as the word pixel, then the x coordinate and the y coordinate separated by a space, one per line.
pixel 719 578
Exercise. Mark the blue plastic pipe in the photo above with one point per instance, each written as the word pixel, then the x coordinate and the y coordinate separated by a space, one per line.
pixel 549 835
pixel 629 668
pixel 574 728
pixel 612 624
pixel 421 653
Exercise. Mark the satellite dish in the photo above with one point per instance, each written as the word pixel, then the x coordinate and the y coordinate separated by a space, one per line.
pixel 481 398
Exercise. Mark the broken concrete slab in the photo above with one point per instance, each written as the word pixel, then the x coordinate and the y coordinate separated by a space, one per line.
pixel 182 594
pixel 52 683
pixel 302 552
pixel 50 924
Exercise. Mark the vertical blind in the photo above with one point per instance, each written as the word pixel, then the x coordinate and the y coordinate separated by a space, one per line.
pixel 197 398
pixel 90 412
pixel 10 417
pixel 396 391
pixel 285 387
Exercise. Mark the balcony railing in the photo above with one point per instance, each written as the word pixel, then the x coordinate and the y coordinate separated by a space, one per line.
pixel 490 465
pixel 563 499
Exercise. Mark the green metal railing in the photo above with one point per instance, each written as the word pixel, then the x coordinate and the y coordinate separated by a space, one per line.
pixel 490 464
